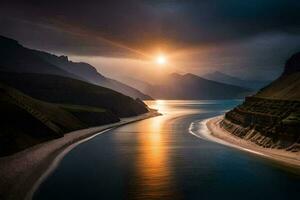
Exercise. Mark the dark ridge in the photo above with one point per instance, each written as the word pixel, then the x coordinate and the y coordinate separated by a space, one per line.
pixel 16 58
pixel 8 42
pixel 57 89
pixel 292 65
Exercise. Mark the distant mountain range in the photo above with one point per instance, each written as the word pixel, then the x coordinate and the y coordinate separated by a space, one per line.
pixel 16 58
pixel 271 118
pixel 190 86
pixel 225 78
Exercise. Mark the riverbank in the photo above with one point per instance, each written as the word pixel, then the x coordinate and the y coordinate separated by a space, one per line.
pixel 217 134
pixel 19 172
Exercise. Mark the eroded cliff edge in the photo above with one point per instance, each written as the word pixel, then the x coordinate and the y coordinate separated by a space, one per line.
pixel 271 118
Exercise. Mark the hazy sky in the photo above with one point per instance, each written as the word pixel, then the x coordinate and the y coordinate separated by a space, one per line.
pixel 249 38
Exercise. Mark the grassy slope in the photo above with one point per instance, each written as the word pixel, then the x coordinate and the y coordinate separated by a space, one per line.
pixel 61 90
pixel 27 121
pixel 286 87
pixel 92 116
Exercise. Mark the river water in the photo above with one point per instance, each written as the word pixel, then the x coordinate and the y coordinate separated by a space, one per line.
pixel 159 158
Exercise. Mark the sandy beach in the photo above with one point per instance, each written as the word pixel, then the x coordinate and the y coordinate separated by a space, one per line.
pixel 218 134
pixel 20 172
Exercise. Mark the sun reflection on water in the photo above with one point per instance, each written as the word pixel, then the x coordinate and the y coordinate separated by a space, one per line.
pixel 159 105
pixel 152 165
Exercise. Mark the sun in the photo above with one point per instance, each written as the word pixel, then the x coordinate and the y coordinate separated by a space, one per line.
pixel 161 60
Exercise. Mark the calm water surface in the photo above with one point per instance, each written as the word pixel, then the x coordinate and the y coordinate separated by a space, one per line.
pixel 159 159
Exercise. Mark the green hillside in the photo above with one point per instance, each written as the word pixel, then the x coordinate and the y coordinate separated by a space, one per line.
pixel 62 90
pixel 27 121
pixel 286 87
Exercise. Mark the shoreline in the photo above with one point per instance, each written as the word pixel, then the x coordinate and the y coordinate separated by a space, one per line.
pixel 22 172
pixel 217 134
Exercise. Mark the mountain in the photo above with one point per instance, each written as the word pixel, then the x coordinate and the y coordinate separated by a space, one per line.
pixel 190 86
pixel 136 83
pixel 41 100
pixel 39 107
pixel 88 73
pixel 287 86
pixel 27 121
pixel 225 78
pixel 271 118
pixel 16 58
pixel 63 90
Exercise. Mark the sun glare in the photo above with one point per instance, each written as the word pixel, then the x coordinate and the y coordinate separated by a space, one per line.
pixel 161 60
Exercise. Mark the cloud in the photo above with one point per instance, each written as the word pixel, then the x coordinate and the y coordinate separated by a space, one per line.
pixel 178 23
pixel 132 28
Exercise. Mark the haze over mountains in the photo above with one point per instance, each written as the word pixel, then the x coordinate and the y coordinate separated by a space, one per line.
pixel 228 79
pixel 190 86
pixel 16 58
pixel 40 100
pixel 136 83
pixel 19 59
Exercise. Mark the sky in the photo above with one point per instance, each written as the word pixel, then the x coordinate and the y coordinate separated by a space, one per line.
pixel 245 38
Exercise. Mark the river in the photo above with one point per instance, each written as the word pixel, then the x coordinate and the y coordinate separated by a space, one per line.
pixel 159 158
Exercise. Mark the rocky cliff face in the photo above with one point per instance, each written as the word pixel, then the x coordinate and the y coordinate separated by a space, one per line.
pixel 268 123
pixel 271 118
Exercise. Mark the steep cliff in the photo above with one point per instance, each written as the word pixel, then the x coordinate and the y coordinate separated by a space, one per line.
pixel 271 118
